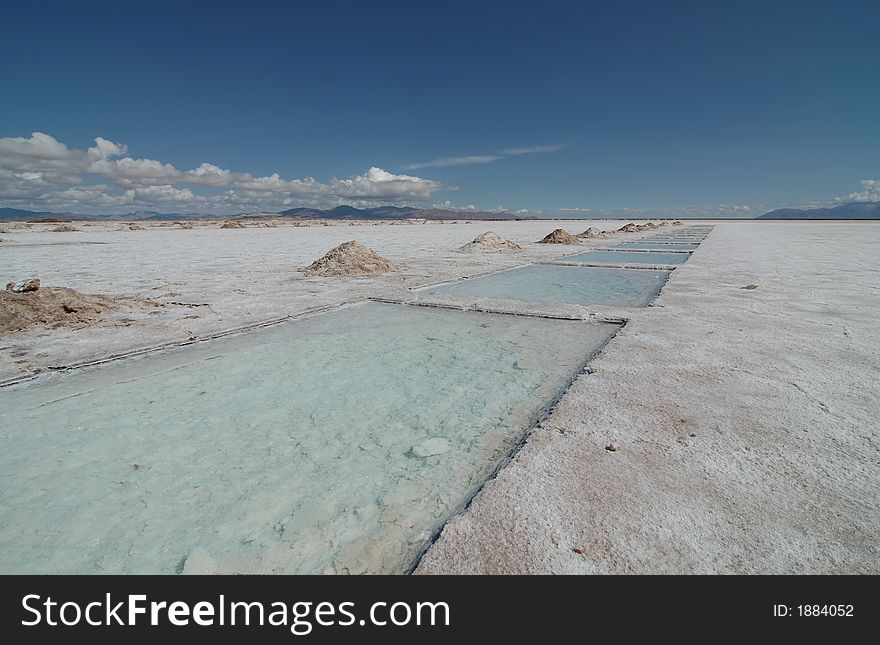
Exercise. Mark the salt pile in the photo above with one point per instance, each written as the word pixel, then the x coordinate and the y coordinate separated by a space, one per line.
pixel 559 236
pixel 489 242
pixel 349 259
pixel 65 228
pixel 50 307
pixel 593 232
pixel 231 223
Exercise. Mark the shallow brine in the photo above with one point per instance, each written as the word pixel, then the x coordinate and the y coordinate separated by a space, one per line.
pixel 657 246
pixel 334 443
pixel 626 257
pixel 674 240
pixel 565 284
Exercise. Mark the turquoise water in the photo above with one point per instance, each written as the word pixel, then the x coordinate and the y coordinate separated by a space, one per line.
pixel 333 443
pixel 624 257
pixel 565 284
pixel 656 246
pixel 674 240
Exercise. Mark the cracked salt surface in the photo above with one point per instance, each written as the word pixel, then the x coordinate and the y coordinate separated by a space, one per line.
pixel 335 443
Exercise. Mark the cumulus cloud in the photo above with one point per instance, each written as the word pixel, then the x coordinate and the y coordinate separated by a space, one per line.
pixel 41 172
pixel 207 174
pixel 38 146
pixel 166 194
pixel 487 158
pixel 870 192
pixel 136 172
pixel 104 149
pixel 381 185
pixel 375 184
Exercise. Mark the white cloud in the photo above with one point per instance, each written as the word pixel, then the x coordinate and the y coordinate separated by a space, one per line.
pixel 42 154
pixel 41 173
pixel 375 184
pixel 207 174
pixel 487 158
pixel 38 146
pixel 136 172
pixel 161 195
pixel 104 149
pixel 93 195
pixel 381 185
pixel 870 192
pixel 455 161
pixel 534 149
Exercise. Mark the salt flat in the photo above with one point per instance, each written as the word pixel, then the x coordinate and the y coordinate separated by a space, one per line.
pixel 744 419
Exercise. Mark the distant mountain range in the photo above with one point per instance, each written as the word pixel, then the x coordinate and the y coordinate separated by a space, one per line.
pixel 340 212
pixel 390 212
pixel 852 210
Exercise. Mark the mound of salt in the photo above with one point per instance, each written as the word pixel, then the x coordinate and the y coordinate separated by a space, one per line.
pixel 593 232
pixel 65 228
pixel 52 307
pixel 232 223
pixel 349 259
pixel 559 236
pixel 489 242
pixel 628 228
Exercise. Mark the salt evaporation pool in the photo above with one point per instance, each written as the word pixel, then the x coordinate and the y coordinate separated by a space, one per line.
pixel 657 246
pixel 565 284
pixel 673 240
pixel 627 257
pixel 334 443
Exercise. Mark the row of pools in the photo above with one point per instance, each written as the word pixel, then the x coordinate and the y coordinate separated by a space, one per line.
pixel 337 443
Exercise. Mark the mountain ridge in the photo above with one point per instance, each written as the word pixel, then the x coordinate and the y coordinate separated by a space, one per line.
pixel 338 212
pixel 851 210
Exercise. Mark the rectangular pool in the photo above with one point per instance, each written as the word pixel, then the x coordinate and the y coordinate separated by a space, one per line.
pixel 657 246
pixel 627 257
pixel 674 240
pixel 565 284
pixel 335 443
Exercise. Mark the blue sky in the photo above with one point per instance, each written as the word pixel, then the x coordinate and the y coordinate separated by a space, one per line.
pixel 701 106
